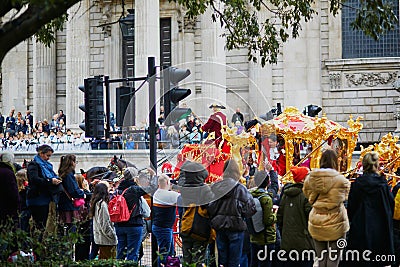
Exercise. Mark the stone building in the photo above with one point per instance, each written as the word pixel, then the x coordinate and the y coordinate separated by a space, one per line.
pixel 328 65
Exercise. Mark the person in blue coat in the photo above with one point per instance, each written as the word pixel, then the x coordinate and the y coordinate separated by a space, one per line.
pixel 68 213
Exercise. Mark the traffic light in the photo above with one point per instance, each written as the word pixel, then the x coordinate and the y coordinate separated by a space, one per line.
pixel 123 98
pixel 173 94
pixel 93 107
pixel 312 110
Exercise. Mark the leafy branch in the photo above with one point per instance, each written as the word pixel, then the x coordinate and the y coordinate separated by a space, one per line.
pixel 245 27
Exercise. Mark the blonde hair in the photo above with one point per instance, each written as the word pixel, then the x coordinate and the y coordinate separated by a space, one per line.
pixel 82 183
pixel 21 179
pixel 369 161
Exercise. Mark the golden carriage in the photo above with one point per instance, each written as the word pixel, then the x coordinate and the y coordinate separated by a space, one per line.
pixel 297 130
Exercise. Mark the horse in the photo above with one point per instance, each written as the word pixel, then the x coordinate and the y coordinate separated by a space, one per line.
pixel 121 163
pixel 96 173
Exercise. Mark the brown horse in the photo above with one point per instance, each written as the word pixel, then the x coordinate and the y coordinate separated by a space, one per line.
pixel 121 163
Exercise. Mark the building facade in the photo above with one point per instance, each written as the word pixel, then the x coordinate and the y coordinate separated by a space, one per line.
pixel 328 65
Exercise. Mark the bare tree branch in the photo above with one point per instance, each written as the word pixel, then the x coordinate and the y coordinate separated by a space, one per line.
pixel 34 17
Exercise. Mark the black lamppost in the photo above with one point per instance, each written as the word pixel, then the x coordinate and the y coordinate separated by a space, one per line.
pixel 127 25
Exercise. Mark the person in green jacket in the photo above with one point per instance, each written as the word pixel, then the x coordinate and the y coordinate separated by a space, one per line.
pixel 293 222
pixel 264 242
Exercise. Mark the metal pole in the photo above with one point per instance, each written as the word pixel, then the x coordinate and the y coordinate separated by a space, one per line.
pixel 108 108
pixel 153 144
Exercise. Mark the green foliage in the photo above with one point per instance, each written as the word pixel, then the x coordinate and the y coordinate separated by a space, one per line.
pixel 51 250
pixel 245 27
pixel 375 18
pixel 46 33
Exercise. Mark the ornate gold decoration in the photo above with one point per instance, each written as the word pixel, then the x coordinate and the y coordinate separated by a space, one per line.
pixel 237 142
pixel 388 150
pixel 296 127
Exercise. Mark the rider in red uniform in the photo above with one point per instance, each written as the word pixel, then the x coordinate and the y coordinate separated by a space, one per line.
pixel 215 123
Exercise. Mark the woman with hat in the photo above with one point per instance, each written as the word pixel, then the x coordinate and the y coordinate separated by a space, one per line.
pixel 215 123
pixel 292 218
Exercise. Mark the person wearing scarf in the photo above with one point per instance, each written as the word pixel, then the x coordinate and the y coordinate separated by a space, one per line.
pixel 43 186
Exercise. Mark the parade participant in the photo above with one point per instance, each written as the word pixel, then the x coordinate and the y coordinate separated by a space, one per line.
pixel 370 210
pixel 326 189
pixel 274 153
pixel 215 123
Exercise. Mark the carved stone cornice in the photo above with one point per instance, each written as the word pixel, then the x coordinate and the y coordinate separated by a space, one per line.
pixel 105 21
pixel 370 79
pixel 186 24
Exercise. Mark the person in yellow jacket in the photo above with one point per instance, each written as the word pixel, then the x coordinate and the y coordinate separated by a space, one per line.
pixel 326 189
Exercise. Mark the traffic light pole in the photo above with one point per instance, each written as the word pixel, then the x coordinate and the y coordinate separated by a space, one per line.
pixel 107 82
pixel 108 108
pixel 151 69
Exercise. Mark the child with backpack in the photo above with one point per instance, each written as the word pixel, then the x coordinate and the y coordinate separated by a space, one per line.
pixel 261 225
pixel 103 229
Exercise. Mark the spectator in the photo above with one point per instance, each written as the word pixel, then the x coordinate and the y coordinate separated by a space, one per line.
pixel 61 116
pixel 129 233
pixel 237 116
pixel 103 229
pixel 190 123
pixel 54 123
pixel 46 126
pixel 21 127
pixel 164 215
pixel 293 219
pixel 82 248
pixel 194 192
pixel 1 123
pixel 195 136
pixel 29 117
pixel 61 126
pixel 22 182
pixel 9 197
pixel 326 189
pixel 10 120
pixel 184 137
pixel 370 209
pixel 68 213
pixel 232 204
pixel 43 185
pixel 267 237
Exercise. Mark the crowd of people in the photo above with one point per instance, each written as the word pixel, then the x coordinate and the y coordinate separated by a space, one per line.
pixel 249 217
pixel 314 213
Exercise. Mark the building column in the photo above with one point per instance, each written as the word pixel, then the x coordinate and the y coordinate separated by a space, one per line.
pixel 213 69
pixel 44 81
pixel 260 97
pixel 77 60
pixel 14 71
pixel 147 44
pixel 187 59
